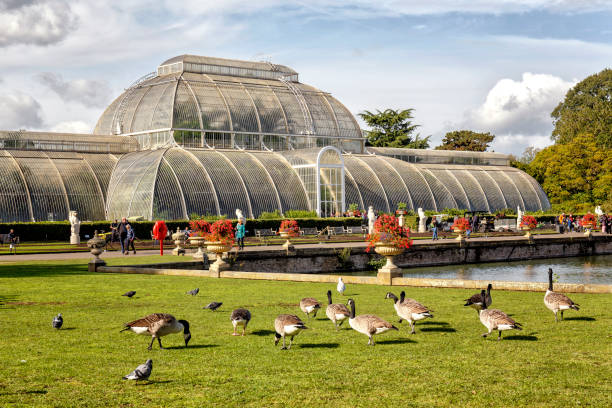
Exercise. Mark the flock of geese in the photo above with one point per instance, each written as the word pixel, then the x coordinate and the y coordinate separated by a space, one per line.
pixel 158 325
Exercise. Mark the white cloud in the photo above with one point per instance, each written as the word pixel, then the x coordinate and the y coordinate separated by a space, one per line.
pixel 35 22
pixel 19 111
pixel 90 93
pixel 72 127
pixel 518 112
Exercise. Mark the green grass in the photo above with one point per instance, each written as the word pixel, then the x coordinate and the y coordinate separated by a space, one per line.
pixel 446 363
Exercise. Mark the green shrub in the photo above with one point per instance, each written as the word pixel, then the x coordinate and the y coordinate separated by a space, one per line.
pixel 300 214
pixel 270 215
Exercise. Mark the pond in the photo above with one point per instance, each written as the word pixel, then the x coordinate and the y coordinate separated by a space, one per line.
pixel 592 269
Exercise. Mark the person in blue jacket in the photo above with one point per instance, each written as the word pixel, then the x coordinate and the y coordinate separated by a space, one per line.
pixel 129 240
pixel 240 234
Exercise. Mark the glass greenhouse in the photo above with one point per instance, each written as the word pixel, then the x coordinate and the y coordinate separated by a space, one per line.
pixel 207 135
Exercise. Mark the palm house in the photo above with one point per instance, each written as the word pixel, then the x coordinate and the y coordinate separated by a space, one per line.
pixel 204 135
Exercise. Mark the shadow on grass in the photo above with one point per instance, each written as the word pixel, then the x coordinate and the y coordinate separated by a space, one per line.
pixel 319 345
pixel 194 346
pixel 438 329
pixel 153 382
pixel 4 299
pixel 67 328
pixel 395 341
pixel 521 337
pixel 262 332
pixel 28 392
pixel 433 323
pixel 43 268
pixel 581 318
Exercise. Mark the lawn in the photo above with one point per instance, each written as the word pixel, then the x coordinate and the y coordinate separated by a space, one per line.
pixel 446 363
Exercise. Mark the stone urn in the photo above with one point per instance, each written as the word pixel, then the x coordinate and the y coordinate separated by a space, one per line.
pixel 389 270
pixel 588 230
pixel 179 240
pixel 199 242
pixel 287 245
pixel 96 247
pixel 218 248
pixel 460 236
pixel 528 233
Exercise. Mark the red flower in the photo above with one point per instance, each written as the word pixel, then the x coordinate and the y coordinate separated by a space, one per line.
pixel 290 227
pixel 461 225
pixel 589 221
pixel 528 221
pixel 388 230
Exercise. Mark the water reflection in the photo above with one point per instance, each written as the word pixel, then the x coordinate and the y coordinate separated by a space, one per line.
pixel 594 269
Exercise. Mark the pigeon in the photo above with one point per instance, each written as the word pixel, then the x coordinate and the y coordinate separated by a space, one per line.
pixel 213 306
pixel 193 292
pixel 142 372
pixel 130 293
pixel 341 286
pixel 58 321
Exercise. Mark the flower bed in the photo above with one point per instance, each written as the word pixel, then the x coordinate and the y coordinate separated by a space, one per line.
pixel 388 231
pixel 221 231
pixel 589 221
pixel 290 227
pixel 199 228
pixel 461 225
pixel 528 222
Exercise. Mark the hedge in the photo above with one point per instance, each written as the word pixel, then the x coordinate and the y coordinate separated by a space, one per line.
pixel 60 230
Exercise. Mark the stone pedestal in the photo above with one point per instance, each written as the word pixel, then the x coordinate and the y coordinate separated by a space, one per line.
pixel 220 264
pixel 95 246
pixel 389 270
pixel 93 265
pixel 75 239
pixel 385 277
pixel 179 239
pixel 287 246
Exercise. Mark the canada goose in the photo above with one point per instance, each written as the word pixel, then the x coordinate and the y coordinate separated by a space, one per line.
pixel 369 325
pixel 130 293
pixel 287 325
pixel 409 309
pixel 336 312
pixel 58 321
pixel 193 292
pixel 494 319
pixel 159 325
pixel 142 372
pixel 557 301
pixel 341 286
pixel 213 306
pixel 475 301
pixel 240 317
pixel 310 305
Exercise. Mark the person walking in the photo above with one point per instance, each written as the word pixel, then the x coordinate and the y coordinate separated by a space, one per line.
pixel 434 229
pixel 129 239
pixel 12 238
pixel 123 234
pixel 240 234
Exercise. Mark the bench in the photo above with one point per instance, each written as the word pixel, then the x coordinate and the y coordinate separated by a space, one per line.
pixel 264 234
pixel 309 231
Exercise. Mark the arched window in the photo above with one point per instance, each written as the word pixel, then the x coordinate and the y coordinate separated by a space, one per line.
pixel 330 182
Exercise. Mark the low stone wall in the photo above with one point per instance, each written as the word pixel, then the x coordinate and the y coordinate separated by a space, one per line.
pixel 424 253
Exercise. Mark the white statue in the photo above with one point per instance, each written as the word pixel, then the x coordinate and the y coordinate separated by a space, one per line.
pixel 75 228
pixel 240 215
pixel 422 220
pixel 519 216
pixel 598 211
pixel 371 219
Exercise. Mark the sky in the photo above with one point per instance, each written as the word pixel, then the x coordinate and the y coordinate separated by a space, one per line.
pixel 485 65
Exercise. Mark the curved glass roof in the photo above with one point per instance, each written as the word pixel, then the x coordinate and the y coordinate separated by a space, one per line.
pixel 270 102
pixel 38 186
pixel 174 183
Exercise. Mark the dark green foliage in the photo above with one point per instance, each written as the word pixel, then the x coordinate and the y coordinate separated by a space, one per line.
pixel 393 128
pixel 587 108
pixel 300 214
pixel 466 140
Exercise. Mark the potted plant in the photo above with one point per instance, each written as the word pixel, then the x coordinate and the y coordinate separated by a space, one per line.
pixel 460 226
pixel 528 223
pixel 401 209
pixel 199 229
pixel 589 223
pixel 219 240
pixel 388 239
pixel 351 209
pixel 287 230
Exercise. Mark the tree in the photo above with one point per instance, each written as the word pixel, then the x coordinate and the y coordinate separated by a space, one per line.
pixel 466 140
pixel 392 128
pixel 577 173
pixel 587 107
pixel 523 162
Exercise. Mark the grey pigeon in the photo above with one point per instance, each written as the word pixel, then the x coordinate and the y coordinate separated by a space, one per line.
pixel 130 293
pixel 193 292
pixel 142 372
pixel 58 321
pixel 213 306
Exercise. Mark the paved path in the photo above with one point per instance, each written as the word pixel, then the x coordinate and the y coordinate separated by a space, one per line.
pixel 357 244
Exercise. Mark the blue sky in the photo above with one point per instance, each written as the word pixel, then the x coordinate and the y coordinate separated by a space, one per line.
pixel 486 65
